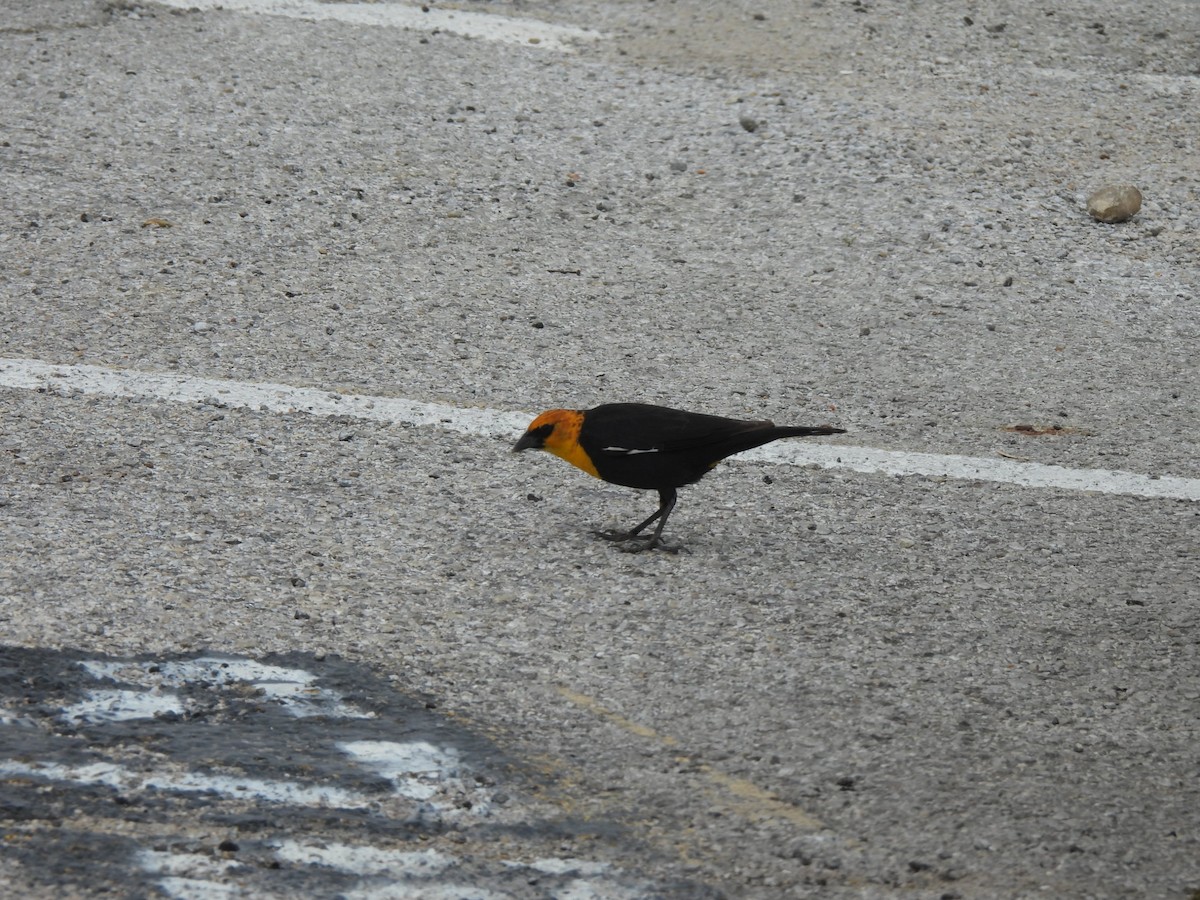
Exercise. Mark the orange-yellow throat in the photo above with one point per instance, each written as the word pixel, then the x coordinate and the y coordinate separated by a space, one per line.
pixel 563 440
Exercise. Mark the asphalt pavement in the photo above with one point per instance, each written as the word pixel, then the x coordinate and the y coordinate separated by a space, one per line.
pixel 312 630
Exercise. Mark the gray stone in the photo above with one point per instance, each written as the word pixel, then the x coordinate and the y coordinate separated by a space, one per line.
pixel 1115 203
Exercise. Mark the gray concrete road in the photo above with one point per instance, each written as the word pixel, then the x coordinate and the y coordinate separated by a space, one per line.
pixel 254 650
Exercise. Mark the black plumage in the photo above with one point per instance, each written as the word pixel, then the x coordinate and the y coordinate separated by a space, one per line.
pixel 650 447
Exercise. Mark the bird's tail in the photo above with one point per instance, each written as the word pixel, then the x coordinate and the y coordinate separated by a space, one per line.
pixel 784 431
pixel 759 433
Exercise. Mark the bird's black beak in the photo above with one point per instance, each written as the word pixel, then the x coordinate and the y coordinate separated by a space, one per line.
pixel 533 439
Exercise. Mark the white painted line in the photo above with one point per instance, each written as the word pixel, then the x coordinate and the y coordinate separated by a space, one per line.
pixel 977 468
pixel 32 374
pixel 487 26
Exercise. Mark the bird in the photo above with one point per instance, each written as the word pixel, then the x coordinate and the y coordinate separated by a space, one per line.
pixel 649 447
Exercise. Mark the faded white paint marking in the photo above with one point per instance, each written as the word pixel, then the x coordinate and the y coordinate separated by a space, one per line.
pixel 123 779
pixel 190 876
pixel 198 889
pixel 416 768
pixel 31 374
pixel 487 26
pixel 120 706
pixel 1170 84
pixel 8 717
pixel 304 701
pixel 361 860
pixel 568 866
pixel 291 689
pixel 164 862
pixel 581 889
pixel 409 891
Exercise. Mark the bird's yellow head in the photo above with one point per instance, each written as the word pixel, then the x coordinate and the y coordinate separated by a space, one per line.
pixel 557 431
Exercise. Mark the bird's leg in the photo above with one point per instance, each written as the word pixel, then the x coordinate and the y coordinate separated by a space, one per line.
pixel 632 532
pixel 666 501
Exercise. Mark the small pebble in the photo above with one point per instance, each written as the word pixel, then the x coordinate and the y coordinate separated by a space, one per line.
pixel 1115 203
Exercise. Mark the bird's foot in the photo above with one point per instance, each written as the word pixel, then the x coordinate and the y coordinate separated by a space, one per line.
pixel 637 545
pixel 631 543
pixel 616 536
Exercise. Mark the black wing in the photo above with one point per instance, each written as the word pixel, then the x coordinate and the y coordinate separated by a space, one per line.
pixel 624 428
pixel 646 446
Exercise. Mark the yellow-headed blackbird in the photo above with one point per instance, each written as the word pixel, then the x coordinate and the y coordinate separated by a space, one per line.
pixel 649 447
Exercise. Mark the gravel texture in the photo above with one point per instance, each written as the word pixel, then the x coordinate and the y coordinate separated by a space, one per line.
pixel 851 686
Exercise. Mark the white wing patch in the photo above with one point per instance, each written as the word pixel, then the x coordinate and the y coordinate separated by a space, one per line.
pixel 627 451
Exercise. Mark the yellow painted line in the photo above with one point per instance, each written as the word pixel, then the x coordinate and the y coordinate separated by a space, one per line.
pixel 603 712
pixel 752 802
pixel 737 794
